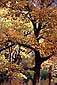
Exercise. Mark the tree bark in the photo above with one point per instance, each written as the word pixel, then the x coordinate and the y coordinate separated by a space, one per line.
pixel 37 67
pixel 36 74
pixel 38 61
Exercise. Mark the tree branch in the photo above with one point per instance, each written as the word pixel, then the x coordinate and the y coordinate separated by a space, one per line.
pixel 27 68
pixel 28 46
pixel 38 38
pixel 46 58
pixel 7 47
pixel 13 43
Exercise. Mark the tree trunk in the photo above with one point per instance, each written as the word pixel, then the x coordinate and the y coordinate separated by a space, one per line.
pixel 37 67
pixel 36 74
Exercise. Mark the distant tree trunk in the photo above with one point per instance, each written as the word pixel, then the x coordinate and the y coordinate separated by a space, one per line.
pixel 10 53
pixel 50 76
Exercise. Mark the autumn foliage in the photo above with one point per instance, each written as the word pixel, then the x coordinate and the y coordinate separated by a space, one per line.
pixel 16 25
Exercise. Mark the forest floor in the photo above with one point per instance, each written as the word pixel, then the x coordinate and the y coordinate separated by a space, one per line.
pixel 14 82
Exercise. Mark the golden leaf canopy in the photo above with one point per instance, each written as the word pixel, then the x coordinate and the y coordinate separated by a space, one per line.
pixel 20 29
